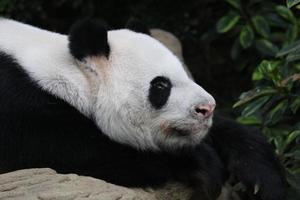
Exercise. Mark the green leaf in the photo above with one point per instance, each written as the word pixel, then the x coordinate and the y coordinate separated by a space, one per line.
pixel 254 106
pixel 266 47
pixel 246 37
pixel 293 57
pixel 285 13
pixel 297 66
pixel 297 154
pixel 269 70
pixel 257 75
pixel 279 144
pixel 251 120
pixel 292 33
pixel 276 21
pixel 253 94
pixel 227 22
pixel 276 113
pixel 295 105
pixel 234 3
pixel 261 26
pixel 293 47
pixel 294 179
pixel 291 3
pixel 292 137
pixel 267 67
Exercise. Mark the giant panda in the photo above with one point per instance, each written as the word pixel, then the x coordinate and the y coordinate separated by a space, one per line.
pixel 117 105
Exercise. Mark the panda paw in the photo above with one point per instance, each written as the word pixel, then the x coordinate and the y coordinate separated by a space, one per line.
pixel 250 158
pixel 264 180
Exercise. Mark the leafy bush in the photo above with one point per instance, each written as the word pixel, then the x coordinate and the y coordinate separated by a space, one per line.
pixel 272 31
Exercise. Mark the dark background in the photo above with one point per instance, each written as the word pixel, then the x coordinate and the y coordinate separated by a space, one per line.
pixel 206 53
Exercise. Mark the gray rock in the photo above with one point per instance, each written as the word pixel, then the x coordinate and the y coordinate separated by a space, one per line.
pixel 46 184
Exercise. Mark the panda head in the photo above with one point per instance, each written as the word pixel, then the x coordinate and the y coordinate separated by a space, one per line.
pixel 140 93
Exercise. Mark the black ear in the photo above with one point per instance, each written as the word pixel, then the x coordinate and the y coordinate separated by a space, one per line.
pixel 88 38
pixel 137 26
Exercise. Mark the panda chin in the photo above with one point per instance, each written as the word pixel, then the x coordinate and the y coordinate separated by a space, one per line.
pixel 183 137
pixel 180 132
pixel 189 133
pixel 188 129
pixel 185 134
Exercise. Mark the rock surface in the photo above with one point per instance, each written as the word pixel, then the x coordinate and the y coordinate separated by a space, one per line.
pixel 46 184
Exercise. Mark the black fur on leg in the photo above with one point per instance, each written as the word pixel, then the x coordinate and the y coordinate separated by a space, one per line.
pixel 210 175
pixel 248 156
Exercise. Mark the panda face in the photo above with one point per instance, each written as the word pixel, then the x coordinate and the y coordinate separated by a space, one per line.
pixel 142 96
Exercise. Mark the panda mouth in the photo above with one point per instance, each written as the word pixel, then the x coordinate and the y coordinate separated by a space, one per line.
pixel 184 129
pixel 180 132
pixel 187 130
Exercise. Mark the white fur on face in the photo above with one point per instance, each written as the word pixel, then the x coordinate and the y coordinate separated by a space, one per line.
pixel 114 92
pixel 124 111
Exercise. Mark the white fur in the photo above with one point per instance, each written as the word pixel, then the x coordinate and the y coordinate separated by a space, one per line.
pixel 45 57
pixel 114 92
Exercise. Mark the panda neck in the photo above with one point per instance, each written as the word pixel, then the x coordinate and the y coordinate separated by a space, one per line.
pixel 45 57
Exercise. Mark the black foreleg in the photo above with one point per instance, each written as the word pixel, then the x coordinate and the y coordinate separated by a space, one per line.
pixel 249 157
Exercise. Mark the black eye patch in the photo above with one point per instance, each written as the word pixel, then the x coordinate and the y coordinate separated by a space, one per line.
pixel 159 92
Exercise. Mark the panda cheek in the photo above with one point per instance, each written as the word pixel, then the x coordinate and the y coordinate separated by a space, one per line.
pixel 165 128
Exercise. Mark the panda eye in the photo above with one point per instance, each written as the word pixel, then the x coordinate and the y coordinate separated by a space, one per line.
pixel 159 92
pixel 161 85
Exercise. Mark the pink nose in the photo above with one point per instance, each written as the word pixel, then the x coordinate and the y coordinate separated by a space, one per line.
pixel 204 110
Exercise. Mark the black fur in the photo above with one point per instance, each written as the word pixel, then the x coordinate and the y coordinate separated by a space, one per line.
pixel 137 26
pixel 159 92
pixel 249 157
pixel 88 38
pixel 40 130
